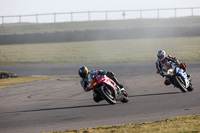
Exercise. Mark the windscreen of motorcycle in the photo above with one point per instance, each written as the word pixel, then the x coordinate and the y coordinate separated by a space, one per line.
pixel 91 75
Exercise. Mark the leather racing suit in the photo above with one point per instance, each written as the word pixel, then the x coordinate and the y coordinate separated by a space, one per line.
pixel 84 83
pixel 164 64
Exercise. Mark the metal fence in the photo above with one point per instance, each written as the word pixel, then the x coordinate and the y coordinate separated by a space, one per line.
pixel 101 15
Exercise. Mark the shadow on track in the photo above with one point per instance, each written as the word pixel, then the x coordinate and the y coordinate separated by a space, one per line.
pixel 156 94
pixel 60 108
pixel 88 106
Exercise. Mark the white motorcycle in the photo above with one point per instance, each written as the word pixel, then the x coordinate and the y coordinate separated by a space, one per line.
pixel 179 78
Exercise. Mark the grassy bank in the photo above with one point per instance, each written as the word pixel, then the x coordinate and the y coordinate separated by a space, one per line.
pixel 185 124
pixel 21 80
pixel 25 28
pixel 186 49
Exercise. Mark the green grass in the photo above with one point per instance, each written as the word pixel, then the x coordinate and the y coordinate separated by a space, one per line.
pixel 21 80
pixel 25 28
pixel 184 124
pixel 186 49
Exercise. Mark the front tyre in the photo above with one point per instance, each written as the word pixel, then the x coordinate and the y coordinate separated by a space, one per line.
pixel 107 94
pixel 180 83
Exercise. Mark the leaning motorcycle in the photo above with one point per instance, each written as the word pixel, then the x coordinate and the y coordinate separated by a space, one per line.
pixel 106 88
pixel 179 78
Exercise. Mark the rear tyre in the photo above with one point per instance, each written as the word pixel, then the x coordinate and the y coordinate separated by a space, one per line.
pixel 96 98
pixel 190 88
pixel 125 97
pixel 180 83
pixel 107 94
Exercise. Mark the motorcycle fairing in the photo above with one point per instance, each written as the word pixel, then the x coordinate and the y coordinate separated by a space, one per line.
pixel 107 81
pixel 184 76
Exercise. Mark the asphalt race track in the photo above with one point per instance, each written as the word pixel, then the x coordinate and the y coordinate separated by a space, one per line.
pixel 61 104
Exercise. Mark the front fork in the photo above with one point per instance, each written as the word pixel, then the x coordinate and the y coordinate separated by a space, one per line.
pixel 119 93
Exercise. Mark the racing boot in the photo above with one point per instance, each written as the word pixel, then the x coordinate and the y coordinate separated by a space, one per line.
pixel 97 98
pixel 120 85
pixel 167 82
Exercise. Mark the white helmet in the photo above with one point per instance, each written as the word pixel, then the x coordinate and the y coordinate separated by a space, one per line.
pixel 161 54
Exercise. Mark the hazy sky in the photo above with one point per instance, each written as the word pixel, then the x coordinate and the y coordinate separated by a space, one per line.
pixel 23 7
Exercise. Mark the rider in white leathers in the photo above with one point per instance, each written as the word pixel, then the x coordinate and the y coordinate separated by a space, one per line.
pixel 163 64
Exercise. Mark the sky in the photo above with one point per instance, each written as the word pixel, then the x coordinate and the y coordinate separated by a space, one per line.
pixel 26 7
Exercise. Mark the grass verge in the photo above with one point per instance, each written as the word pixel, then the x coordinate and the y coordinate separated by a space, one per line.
pixel 186 49
pixel 26 28
pixel 184 124
pixel 22 80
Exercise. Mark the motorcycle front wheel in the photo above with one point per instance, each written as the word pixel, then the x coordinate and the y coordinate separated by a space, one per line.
pixel 107 94
pixel 180 83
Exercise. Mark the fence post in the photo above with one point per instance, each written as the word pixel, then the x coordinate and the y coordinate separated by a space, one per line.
pixel 175 12
pixel 106 15
pixel 36 16
pixel 158 14
pixel 123 14
pixel 140 13
pixel 71 16
pixel 54 17
pixel 2 20
pixel 20 19
pixel 192 11
pixel 88 15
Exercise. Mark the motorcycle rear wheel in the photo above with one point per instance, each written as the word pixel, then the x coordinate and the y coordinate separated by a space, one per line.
pixel 190 88
pixel 105 93
pixel 125 97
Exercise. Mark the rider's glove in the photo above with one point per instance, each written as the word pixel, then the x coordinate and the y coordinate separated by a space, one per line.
pixel 102 72
pixel 162 74
pixel 176 61
pixel 110 73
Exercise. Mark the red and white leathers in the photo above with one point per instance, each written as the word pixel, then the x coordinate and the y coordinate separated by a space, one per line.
pixel 164 64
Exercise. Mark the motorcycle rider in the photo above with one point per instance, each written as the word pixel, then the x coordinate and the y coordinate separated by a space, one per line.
pixel 163 64
pixel 84 72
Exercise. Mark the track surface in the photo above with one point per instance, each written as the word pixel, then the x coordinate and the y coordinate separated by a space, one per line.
pixel 61 104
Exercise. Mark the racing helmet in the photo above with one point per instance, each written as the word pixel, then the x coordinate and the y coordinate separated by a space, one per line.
pixel 83 71
pixel 161 54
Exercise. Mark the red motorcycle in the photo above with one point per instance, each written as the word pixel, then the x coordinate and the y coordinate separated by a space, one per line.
pixel 106 88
